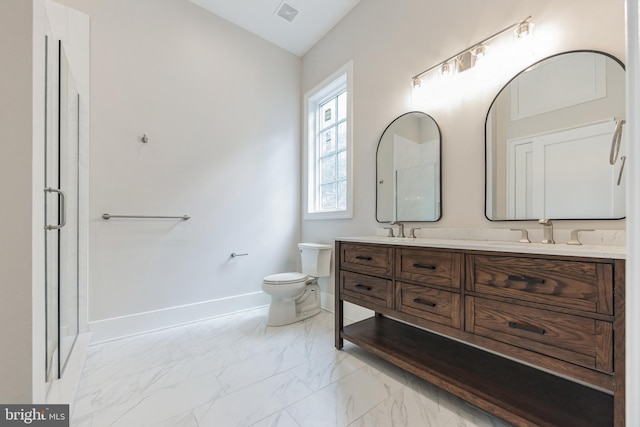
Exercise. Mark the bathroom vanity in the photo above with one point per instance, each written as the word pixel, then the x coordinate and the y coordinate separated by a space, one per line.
pixel 531 333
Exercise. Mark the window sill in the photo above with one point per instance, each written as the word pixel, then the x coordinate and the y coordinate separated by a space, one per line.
pixel 327 215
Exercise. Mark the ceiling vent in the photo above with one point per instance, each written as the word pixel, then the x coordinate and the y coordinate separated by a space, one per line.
pixel 286 11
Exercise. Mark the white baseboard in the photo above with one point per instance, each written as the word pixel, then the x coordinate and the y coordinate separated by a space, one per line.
pixel 328 302
pixel 352 312
pixel 119 327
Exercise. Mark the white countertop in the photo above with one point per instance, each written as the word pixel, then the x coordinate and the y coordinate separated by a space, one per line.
pixel 590 251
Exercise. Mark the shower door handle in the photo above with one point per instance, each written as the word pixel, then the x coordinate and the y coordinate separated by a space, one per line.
pixel 63 209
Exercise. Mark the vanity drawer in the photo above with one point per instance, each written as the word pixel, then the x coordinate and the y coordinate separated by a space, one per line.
pixel 431 267
pixel 428 303
pixel 578 340
pixel 375 290
pixel 376 260
pixel 580 285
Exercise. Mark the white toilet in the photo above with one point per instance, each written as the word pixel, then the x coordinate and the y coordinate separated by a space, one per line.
pixel 296 296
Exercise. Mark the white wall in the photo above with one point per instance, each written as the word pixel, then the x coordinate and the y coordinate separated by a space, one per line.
pixel 15 168
pixel 633 208
pixel 21 238
pixel 38 326
pixel 220 107
pixel 390 43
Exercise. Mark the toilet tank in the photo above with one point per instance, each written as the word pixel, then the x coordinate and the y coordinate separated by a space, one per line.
pixel 315 258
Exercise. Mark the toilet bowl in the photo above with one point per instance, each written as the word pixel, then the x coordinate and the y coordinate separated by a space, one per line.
pixel 296 296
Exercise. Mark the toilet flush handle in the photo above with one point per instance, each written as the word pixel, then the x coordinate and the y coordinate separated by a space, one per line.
pixel 234 254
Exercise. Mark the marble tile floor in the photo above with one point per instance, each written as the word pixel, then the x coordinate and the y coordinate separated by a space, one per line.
pixel 235 371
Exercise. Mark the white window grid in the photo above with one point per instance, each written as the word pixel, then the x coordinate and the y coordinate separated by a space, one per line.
pixel 322 131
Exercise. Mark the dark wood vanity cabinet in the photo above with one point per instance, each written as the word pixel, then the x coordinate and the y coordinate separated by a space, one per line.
pixel 560 310
pixel 372 260
pixel 427 285
pixel 537 340
pixel 366 276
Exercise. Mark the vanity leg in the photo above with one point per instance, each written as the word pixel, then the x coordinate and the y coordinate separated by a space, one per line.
pixel 339 322
pixel 339 304
pixel 619 399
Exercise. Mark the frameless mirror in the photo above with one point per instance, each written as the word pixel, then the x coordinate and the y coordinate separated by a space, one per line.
pixel 549 135
pixel 408 170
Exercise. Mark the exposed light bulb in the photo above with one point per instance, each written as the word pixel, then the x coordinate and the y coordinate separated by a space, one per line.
pixel 472 56
pixel 524 29
pixel 445 68
pixel 480 51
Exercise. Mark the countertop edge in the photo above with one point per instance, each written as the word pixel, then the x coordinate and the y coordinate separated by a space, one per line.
pixel 561 249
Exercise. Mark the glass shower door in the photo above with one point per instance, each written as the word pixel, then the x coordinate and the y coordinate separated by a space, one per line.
pixel 61 213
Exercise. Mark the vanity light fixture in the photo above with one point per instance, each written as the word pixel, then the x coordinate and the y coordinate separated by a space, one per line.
pixel 445 69
pixel 461 61
pixel 479 51
pixel 524 29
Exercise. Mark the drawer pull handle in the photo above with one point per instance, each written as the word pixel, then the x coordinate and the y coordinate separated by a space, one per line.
pixel 423 302
pixel 366 288
pixel 527 328
pixel 428 267
pixel 364 258
pixel 527 280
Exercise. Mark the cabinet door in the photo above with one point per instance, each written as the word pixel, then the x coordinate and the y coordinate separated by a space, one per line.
pixel 586 286
pixel 374 260
pixel 431 267
pixel 575 339
pixel 428 303
pixel 366 290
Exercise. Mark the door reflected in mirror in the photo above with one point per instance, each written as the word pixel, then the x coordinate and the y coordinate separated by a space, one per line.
pixel 408 183
pixel 548 137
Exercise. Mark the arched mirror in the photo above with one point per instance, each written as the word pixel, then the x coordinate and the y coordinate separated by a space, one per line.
pixel 408 170
pixel 549 136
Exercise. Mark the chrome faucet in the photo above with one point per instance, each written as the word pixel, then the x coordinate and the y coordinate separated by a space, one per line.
pixel 548 230
pixel 524 237
pixel 574 240
pixel 400 228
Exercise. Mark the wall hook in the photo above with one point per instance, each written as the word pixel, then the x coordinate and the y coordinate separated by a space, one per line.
pixel 144 138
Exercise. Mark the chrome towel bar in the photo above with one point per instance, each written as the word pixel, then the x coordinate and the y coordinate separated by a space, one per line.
pixel 109 216
pixel 234 254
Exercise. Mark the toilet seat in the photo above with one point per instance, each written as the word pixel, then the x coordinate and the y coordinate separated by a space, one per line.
pixel 285 278
pixel 296 296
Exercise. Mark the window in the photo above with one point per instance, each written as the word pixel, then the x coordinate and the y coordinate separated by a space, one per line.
pixel 328 148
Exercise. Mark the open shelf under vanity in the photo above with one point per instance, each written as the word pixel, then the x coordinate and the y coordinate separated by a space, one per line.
pixel 510 390
pixel 534 339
